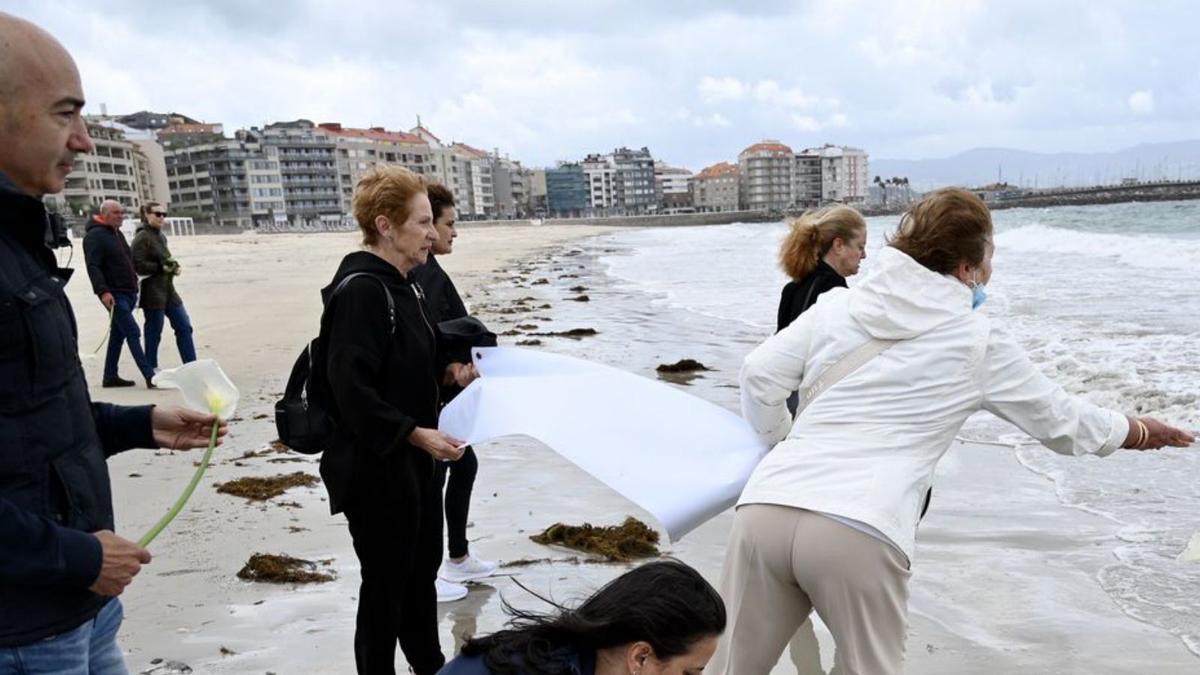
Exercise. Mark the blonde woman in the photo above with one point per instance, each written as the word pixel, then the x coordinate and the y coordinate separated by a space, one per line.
pixel 823 248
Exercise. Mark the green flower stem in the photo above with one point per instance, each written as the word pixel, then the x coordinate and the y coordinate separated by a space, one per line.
pixel 107 331
pixel 187 492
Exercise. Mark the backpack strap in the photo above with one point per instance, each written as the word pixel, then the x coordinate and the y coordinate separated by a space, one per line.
pixel 391 304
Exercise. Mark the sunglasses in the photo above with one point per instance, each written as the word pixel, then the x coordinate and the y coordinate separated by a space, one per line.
pixel 160 214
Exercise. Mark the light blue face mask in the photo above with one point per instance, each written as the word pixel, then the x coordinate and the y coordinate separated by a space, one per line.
pixel 978 293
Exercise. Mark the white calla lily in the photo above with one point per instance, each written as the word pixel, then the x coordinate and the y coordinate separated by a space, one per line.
pixel 205 387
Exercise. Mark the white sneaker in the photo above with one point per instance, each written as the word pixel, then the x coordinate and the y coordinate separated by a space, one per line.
pixel 470 569
pixel 448 592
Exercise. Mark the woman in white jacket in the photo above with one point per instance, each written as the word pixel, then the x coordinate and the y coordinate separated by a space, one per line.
pixel 827 520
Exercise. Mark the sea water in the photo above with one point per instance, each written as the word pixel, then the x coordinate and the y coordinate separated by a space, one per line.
pixel 1106 299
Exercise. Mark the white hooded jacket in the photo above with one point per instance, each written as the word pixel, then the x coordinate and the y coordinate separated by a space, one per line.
pixel 866 448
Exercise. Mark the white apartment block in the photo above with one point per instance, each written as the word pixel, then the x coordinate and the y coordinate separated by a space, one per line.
pixel 672 186
pixel 601 175
pixel 844 173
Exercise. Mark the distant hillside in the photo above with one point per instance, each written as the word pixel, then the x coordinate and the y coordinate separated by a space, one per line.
pixel 1151 161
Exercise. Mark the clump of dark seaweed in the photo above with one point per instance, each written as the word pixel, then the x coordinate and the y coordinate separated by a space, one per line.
pixel 682 366
pixel 283 569
pixel 627 541
pixel 257 488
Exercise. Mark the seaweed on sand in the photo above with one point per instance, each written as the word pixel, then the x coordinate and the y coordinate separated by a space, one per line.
pixel 627 541
pixel 283 569
pixel 574 333
pixel 682 366
pixel 258 488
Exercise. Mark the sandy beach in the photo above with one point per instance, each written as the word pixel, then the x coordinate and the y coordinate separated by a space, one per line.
pixel 993 590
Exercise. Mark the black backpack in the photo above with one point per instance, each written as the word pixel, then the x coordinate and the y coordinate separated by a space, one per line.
pixel 302 416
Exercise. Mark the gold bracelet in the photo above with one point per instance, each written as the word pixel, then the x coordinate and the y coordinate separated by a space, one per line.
pixel 1143 435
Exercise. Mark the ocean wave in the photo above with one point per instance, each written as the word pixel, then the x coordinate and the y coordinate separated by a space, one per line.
pixel 1135 250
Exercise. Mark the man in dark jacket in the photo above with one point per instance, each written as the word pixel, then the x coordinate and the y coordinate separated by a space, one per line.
pixel 114 281
pixel 152 259
pixel 61 565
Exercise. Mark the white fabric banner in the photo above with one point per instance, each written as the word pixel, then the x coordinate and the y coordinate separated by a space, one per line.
pixel 677 456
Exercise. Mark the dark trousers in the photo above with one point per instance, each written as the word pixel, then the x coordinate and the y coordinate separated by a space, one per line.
pixel 398 539
pixel 458 498
pixel 180 323
pixel 125 331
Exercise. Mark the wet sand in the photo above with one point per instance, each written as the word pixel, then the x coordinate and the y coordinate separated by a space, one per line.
pixel 1004 576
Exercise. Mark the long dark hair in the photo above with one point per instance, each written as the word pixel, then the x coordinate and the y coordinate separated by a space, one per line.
pixel 664 603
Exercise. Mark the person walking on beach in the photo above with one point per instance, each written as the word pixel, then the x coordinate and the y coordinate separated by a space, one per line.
pixel 61 565
pixel 828 519
pixel 384 377
pixel 823 247
pixel 661 618
pixel 152 259
pixel 445 304
pixel 110 268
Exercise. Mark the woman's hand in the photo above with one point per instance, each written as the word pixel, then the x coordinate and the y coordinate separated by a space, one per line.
pixel 460 374
pixel 440 445
pixel 1158 435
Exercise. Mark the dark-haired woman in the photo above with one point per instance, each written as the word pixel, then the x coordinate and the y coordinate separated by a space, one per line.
pixel 662 618
pixel 445 304
pixel 827 521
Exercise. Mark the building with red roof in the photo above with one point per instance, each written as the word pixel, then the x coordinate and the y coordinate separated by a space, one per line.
pixel 716 188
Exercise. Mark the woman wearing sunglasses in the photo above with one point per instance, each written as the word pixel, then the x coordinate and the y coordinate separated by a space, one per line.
pixel 153 262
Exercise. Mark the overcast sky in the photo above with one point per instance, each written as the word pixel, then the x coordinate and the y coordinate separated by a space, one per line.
pixel 696 80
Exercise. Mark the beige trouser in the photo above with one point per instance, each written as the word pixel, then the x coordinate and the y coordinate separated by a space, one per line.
pixel 784 562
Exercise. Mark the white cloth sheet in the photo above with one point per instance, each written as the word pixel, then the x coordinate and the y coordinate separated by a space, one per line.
pixel 679 457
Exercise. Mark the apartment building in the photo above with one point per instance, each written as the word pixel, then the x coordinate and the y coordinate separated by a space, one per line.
pixel 716 188
pixel 116 169
pixel 307 158
pixel 844 173
pixel 807 186
pixel 635 180
pixel 672 186
pixel 765 172
pixel 356 151
pixel 232 182
pixel 567 190
pixel 481 202
pixel 601 174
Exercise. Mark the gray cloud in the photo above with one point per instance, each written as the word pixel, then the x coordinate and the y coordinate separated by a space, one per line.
pixel 695 81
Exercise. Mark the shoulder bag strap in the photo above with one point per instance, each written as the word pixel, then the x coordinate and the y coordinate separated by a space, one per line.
pixel 838 371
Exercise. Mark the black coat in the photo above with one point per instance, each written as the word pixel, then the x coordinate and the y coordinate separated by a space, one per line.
pixel 441 297
pixel 444 304
pixel 109 262
pixel 149 252
pixel 381 385
pixel 798 296
pixel 54 485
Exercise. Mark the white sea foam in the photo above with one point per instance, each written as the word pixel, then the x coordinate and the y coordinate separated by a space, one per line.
pixel 1139 251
